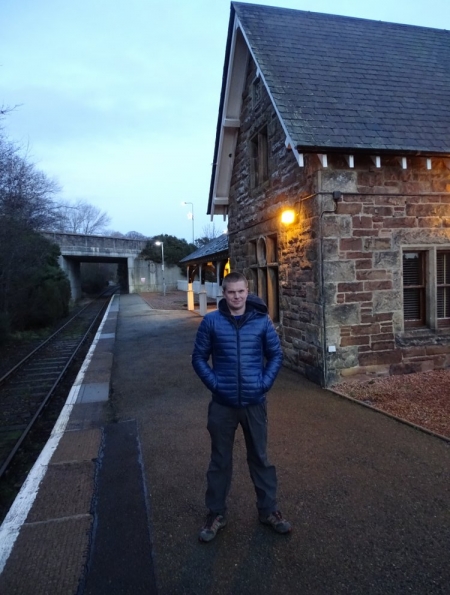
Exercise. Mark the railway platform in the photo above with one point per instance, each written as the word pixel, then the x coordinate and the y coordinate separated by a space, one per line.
pixel 115 502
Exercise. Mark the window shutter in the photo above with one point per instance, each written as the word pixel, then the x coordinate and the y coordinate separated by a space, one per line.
pixel 411 269
pixel 411 304
pixel 443 284
pixel 413 288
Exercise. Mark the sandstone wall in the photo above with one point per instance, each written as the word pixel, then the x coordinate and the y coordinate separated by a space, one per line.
pixel 340 273
pixel 382 211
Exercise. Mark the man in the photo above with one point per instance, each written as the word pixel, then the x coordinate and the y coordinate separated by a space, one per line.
pixel 246 357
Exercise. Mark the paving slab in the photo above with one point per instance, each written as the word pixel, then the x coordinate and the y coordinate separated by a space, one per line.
pixel 78 446
pixel 48 558
pixel 93 392
pixel 86 416
pixel 67 491
pixel 100 367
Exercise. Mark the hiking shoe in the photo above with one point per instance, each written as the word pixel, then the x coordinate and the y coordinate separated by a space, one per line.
pixel 214 522
pixel 276 521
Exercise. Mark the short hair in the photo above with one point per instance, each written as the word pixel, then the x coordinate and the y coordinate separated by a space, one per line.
pixel 233 278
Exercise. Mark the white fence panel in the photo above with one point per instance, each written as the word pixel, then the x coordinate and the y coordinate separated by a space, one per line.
pixel 213 290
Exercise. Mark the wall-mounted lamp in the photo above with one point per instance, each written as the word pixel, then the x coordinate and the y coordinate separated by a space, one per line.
pixel 288 217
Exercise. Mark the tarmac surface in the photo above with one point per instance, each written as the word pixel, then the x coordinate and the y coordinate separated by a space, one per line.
pixel 121 503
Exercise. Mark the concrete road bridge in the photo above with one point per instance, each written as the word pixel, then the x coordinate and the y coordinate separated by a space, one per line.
pixel 142 275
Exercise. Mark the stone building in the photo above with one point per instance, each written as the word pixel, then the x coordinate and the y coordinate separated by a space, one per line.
pixel 343 124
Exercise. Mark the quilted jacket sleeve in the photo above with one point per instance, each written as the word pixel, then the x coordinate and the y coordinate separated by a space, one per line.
pixel 201 354
pixel 273 355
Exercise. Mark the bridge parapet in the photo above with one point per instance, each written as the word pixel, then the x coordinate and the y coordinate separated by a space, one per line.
pixel 99 251
pixel 90 245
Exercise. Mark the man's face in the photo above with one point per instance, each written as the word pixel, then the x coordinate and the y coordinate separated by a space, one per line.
pixel 235 295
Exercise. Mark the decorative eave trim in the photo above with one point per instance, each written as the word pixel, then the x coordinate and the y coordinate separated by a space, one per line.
pixel 323 159
pixel 230 124
pixel 290 147
pixel 234 86
pixel 221 200
pixel 377 160
pixel 350 160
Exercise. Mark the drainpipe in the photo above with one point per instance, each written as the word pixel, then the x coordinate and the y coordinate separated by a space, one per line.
pixel 336 195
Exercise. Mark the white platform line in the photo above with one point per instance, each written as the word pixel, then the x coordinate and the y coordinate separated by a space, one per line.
pixel 10 528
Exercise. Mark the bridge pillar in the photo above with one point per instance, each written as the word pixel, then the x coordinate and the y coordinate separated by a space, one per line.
pixel 131 275
pixel 73 272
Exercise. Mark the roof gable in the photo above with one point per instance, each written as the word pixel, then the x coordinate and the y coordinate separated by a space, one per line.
pixel 337 84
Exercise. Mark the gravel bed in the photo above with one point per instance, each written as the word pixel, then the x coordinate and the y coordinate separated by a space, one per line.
pixel 173 300
pixel 422 398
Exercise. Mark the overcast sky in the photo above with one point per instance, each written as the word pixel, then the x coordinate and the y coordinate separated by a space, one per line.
pixel 119 98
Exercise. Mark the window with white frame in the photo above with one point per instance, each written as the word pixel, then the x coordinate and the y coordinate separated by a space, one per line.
pixel 263 256
pixel 426 288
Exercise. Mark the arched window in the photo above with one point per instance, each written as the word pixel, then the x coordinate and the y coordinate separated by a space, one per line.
pixel 263 260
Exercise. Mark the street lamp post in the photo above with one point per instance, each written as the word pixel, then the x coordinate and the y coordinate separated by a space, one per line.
pixel 158 243
pixel 192 217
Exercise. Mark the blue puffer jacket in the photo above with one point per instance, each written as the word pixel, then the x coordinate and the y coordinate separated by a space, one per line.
pixel 246 354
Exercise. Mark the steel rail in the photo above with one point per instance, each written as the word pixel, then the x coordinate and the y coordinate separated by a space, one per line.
pixel 40 346
pixel 47 397
pixel 46 341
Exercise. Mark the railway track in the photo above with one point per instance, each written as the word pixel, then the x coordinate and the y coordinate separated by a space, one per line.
pixel 26 390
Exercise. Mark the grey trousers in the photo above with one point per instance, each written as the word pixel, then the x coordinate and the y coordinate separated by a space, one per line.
pixel 222 424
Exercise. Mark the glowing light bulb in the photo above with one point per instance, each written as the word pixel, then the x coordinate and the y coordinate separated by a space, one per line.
pixel 287 217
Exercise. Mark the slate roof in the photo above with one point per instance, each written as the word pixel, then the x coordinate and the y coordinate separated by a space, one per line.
pixel 347 83
pixel 215 248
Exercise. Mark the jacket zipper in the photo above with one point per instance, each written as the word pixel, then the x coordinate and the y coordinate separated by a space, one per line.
pixel 238 346
pixel 238 343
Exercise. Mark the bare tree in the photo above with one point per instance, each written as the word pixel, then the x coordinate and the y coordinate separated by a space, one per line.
pixel 114 234
pixel 210 232
pixel 25 192
pixel 7 109
pixel 130 235
pixel 32 287
pixel 81 217
pixel 135 235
